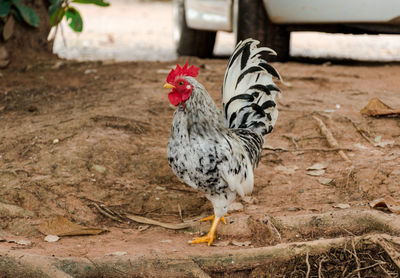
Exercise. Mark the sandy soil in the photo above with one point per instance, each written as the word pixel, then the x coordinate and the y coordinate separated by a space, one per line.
pixel 77 134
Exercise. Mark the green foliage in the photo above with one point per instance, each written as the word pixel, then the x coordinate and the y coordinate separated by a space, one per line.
pixel 28 15
pixel 60 8
pixel 19 11
pixel 96 2
pixel 5 8
pixel 74 19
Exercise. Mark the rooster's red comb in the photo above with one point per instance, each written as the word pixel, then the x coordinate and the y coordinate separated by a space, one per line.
pixel 184 71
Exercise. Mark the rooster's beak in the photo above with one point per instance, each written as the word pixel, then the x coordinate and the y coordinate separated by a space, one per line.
pixel 169 86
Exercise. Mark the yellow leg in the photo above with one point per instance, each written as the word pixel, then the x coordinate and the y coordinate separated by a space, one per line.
pixel 211 234
pixel 212 217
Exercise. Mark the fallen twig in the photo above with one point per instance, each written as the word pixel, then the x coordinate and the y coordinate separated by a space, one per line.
pixel 273 228
pixel 106 213
pixel 357 260
pixel 308 266
pixel 178 226
pixel 306 149
pixel 361 269
pixel 320 267
pixel 180 212
pixel 144 220
pixel 349 175
pixel 329 137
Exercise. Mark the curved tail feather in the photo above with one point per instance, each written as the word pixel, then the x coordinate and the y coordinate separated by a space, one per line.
pixel 248 92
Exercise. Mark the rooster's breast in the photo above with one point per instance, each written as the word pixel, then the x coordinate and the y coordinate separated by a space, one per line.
pixel 196 157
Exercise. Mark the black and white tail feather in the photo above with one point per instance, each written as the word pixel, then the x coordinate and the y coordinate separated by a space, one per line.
pixel 248 96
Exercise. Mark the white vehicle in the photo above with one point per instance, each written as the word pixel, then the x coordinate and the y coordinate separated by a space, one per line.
pixel 196 22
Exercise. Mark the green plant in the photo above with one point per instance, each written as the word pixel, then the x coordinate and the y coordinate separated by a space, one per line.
pixel 20 12
pixel 61 8
pixel 58 9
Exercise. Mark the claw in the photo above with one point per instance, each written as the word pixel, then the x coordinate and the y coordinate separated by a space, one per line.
pixel 204 239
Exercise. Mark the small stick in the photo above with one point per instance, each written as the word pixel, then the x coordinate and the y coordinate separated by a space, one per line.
pixel 105 213
pixel 308 266
pixel 349 175
pixel 180 212
pixel 144 220
pixel 356 258
pixel 306 150
pixel 274 229
pixel 361 269
pixel 329 137
pixel 320 268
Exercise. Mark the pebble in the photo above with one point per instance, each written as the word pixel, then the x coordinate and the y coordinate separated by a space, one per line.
pixel 51 238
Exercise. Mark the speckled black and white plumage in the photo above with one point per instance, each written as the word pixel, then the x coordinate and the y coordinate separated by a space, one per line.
pixel 215 152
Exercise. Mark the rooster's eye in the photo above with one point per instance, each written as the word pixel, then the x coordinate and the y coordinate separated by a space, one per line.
pixel 180 83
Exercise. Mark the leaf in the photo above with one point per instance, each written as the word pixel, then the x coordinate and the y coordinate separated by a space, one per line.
pixel 74 19
pixel 377 108
pixel 288 170
pixel 315 172
pixel 5 7
pixel 28 14
pixel 326 181
pixel 61 226
pixel 388 202
pixel 95 2
pixel 8 28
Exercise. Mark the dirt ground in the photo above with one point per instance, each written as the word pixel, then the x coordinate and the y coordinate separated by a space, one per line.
pixel 74 136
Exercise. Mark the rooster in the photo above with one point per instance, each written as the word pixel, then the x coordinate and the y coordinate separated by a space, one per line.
pixel 216 152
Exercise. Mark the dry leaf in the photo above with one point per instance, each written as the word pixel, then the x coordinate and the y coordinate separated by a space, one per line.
pixel 388 202
pixel 376 107
pixel 61 226
pixel 8 28
pixel 289 170
pixel 325 181
pixel 316 172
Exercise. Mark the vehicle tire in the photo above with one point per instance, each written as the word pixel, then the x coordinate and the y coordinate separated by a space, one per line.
pixel 253 22
pixel 188 41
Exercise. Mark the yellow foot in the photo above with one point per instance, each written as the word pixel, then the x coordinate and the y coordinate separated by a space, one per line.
pixel 212 217
pixel 204 239
pixel 211 234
